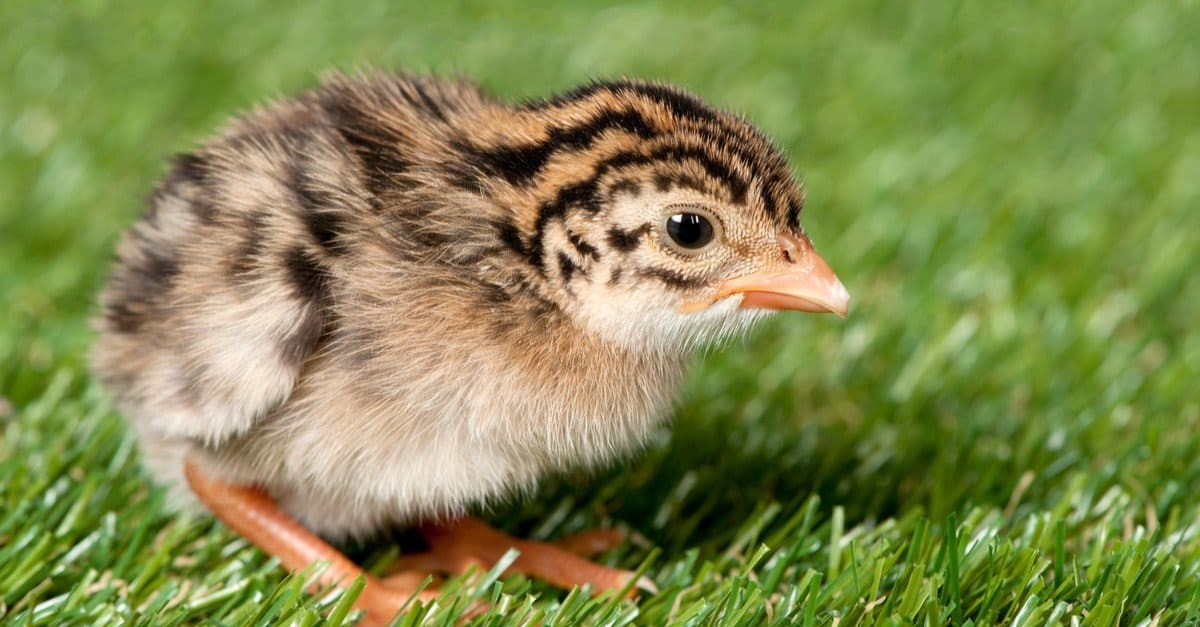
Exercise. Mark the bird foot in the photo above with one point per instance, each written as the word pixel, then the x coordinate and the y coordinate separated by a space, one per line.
pixel 454 548
pixel 466 543
pixel 254 514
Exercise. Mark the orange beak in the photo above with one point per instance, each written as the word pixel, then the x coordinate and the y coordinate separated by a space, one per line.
pixel 806 284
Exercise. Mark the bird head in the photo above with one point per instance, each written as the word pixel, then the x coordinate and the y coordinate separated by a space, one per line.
pixel 682 267
pixel 631 208
pixel 653 219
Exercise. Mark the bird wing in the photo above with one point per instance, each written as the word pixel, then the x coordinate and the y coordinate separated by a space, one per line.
pixel 221 293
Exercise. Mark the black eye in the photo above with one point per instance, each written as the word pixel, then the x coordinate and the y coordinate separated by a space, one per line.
pixel 690 230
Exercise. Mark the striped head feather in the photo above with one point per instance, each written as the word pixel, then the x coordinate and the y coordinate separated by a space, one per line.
pixel 581 197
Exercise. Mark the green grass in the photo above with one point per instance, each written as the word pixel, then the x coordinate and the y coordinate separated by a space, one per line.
pixel 1005 430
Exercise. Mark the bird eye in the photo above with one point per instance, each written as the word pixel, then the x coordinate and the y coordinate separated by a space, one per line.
pixel 690 231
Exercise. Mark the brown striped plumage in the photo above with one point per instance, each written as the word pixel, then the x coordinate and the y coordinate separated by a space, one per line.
pixel 405 277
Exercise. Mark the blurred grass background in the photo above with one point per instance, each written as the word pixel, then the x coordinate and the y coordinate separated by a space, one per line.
pixel 1004 430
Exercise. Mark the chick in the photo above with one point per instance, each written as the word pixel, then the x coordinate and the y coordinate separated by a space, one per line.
pixel 394 297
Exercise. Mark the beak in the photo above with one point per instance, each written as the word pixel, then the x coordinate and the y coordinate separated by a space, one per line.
pixel 806 284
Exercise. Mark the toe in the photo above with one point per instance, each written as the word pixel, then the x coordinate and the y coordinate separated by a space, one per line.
pixel 465 543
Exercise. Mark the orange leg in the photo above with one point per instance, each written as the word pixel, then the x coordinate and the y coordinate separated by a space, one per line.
pixel 456 546
pixel 251 513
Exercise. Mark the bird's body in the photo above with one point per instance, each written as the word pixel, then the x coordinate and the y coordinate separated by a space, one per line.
pixel 393 297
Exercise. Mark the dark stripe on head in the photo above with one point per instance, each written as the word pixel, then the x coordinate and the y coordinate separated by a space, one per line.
pixel 626 241
pixel 727 131
pixel 566 267
pixel 731 134
pixel 716 169
pixel 671 278
pixel 689 107
pixel 624 185
pixel 793 213
pixel 663 182
pixel 723 145
pixel 585 249
pixel 520 164
pixel 581 194
pixel 681 104
pixel 724 131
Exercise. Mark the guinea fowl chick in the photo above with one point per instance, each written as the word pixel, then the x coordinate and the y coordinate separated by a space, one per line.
pixel 394 297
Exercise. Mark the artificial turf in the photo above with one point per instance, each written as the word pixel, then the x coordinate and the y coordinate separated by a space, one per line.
pixel 1005 430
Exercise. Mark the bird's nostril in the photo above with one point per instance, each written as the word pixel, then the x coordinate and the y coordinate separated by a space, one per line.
pixel 791 252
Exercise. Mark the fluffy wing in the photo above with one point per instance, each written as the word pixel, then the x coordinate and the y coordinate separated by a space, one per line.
pixel 225 288
pixel 222 291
